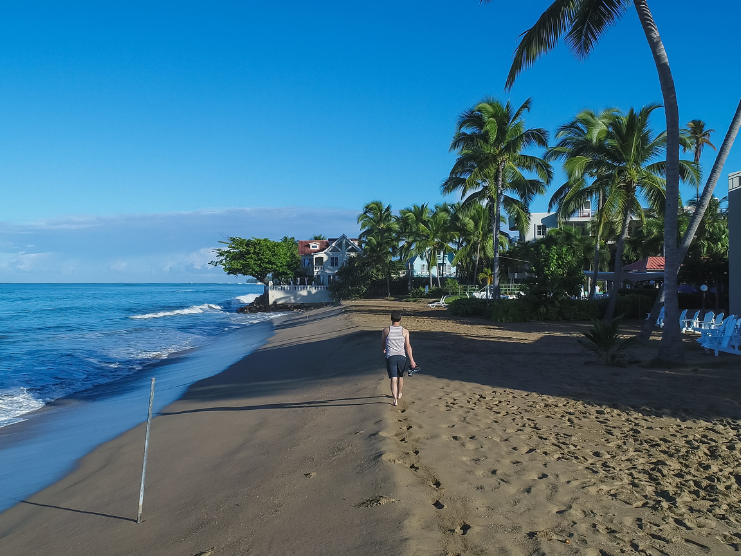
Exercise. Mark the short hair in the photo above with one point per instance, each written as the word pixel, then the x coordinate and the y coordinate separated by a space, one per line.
pixel 395 316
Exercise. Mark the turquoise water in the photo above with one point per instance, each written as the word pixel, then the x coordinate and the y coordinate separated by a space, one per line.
pixel 58 340
pixel 85 353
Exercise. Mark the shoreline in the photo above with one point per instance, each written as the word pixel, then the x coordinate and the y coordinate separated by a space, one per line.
pixel 300 442
pixel 47 444
pixel 509 441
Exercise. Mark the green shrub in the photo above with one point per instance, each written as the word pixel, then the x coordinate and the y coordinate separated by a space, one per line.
pixel 604 341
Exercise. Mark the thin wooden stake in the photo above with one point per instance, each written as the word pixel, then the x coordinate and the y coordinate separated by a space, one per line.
pixel 146 448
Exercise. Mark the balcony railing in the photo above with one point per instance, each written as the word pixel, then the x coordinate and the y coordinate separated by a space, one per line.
pixel 297 288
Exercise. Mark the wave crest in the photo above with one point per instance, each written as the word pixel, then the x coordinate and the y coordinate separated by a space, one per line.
pixel 193 310
pixel 14 404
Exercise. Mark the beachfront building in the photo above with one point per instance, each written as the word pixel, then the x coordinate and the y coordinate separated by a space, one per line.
pixel 541 222
pixel 444 267
pixel 734 241
pixel 322 258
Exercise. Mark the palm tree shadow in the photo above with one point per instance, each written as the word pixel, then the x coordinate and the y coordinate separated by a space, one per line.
pixel 110 516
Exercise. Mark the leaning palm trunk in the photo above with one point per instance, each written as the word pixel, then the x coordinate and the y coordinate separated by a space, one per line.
pixel 671 341
pixel 495 230
pixel 702 205
pixel 618 268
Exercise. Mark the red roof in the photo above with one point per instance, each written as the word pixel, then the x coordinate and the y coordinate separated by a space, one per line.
pixel 322 244
pixel 304 249
pixel 648 264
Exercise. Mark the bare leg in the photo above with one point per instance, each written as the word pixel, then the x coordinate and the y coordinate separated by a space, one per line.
pixel 395 390
pixel 401 386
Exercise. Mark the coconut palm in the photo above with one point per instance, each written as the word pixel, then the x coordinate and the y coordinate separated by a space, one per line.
pixel 435 239
pixel 490 141
pixel 475 225
pixel 628 165
pixel 577 142
pixel 694 138
pixel 378 237
pixel 413 222
pixel 583 22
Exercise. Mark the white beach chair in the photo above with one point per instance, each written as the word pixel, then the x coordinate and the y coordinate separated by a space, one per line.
pixel 440 303
pixel 682 319
pixel 720 339
pixel 707 323
pixel 689 324
pixel 660 319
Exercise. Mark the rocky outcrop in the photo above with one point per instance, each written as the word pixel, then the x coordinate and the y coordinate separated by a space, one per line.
pixel 260 305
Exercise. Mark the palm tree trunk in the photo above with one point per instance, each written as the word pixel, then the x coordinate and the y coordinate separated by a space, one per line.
pixel 671 340
pixel 593 285
pixel 609 315
pixel 476 264
pixel 410 276
pixel 497 213
pixel 429 266
pixel 707 195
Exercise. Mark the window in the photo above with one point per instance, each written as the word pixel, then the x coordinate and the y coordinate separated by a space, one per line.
pixel 307 262
pixel 334 261
pixel 424 269
pixel 313 246
pixel 319 262
pixel 540 230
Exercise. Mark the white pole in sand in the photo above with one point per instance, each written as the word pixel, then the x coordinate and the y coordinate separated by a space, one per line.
pixel 146 448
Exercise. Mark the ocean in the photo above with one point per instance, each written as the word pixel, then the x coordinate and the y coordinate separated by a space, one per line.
pixel 84 355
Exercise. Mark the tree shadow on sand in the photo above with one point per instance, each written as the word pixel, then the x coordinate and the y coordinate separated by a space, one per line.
pixel 557 365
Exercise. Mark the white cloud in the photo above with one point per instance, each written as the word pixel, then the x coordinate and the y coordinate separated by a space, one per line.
pixel 166 247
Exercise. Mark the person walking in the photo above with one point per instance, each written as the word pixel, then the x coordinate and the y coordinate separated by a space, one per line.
pixel 396 347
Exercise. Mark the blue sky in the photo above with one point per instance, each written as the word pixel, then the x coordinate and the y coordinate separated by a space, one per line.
pixel 119 114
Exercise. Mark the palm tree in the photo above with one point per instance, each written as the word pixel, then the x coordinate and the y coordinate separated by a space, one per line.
pixel 576 145
pixel 475 226
pixel 695 137
pixel 435 239
pixel 490 139
pixel 378 237
pixel 626 164
pixel 584 22
pixel 413 222
pixel 648 241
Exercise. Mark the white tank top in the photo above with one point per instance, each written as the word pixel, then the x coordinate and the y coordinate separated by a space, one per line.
pixel 395 341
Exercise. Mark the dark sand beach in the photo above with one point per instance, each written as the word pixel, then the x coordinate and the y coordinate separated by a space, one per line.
pixel 510 441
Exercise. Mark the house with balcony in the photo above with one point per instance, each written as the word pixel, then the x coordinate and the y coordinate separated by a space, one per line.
pixel 322 258
pixel 541 222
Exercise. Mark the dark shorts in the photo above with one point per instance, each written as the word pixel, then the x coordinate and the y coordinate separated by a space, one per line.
pixel 396 365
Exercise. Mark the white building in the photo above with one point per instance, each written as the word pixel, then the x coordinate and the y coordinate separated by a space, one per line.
pixel 322 258
pixel 734 241
pixel 541 222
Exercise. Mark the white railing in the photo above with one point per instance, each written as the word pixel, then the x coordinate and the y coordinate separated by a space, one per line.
pixel 297 288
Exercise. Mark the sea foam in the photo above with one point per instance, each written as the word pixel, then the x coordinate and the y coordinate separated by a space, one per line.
pixel 193 310
pixel 16 403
